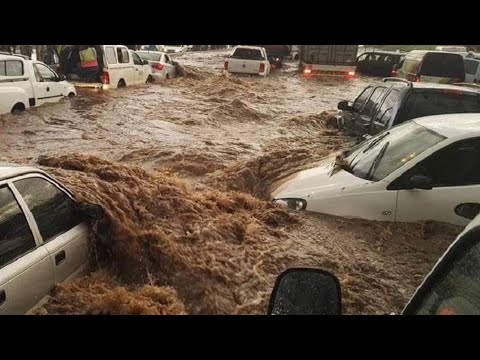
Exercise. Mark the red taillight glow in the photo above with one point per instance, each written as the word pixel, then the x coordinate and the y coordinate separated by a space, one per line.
pixel 226 65
pixel 307 71
pixel 157 66
pixel 106 78
pixel 262 68
pixel 351 73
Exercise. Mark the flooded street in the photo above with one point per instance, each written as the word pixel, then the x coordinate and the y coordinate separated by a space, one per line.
pixel 184 171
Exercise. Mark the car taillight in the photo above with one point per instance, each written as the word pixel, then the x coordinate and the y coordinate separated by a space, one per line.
pixel 262 68
pixel 351 73
pixel 307 71
pixel 225 65
pixel 106 78
pixel 157 66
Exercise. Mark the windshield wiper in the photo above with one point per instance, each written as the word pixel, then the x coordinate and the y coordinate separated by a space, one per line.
pixel 377 161
pixel 376 141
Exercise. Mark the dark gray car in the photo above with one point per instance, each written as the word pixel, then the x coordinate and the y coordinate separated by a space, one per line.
pixel 393 101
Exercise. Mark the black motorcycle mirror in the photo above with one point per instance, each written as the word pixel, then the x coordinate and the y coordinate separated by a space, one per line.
pixel 303 291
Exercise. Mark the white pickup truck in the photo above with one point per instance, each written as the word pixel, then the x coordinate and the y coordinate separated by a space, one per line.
pixel 248 60
pixel 27 83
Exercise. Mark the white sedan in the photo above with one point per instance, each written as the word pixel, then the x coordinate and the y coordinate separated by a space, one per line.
pixel 44 237
pixel 423 169
pixel 163 67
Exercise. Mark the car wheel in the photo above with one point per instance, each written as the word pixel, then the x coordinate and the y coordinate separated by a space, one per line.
pixel 149 79
pixel 121 84
pixel 18 108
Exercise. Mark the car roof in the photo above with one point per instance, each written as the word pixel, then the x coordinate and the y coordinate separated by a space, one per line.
pixel 434 51
pixel 8 170
pixel 434 86
pixel 13 57
pixel 384 53
pixel 249 47
pixel 452 125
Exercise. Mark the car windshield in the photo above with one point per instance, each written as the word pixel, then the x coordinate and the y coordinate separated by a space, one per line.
pixel 149 56
pixel 379 156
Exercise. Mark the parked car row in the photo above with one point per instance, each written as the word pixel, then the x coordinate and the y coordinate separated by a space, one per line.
pixel 26 83
pixel 445 65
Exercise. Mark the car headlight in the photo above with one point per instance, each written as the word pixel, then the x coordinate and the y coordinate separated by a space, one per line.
pixel 292 203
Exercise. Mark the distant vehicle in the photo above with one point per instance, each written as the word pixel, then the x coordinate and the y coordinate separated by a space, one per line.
pixel 28 83
pixel 338 60
pixel 458 49
pixel 248 60
pixel 420 170
pixel 295 52
pixel 276 54
pixel 44 237
pixel 451 288
pixel 162 65
pixel 386 104
pixel 176 48
pixel 433 66
pixel 118 67
pixel 378 63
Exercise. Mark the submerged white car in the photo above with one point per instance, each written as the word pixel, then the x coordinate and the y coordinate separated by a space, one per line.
pixel 423 169
pixel 44 237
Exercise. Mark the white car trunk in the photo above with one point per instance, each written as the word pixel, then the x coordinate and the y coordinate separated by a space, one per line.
pixel 244 66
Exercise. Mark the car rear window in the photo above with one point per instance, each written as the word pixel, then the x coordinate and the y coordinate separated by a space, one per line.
pixel 440 102
pixel 471 66
pixel 150 56
pixel 248 54
pixel 443 65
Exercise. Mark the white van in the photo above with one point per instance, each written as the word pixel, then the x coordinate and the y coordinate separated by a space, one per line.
pixel 118 67
pixel 123 67
pixel 27 83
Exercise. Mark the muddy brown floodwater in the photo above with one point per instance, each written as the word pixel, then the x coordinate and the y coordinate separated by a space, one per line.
pixel 184 171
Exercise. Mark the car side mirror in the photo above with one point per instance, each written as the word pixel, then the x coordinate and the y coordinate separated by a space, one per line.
pixel 61 77
pixel 344 105
pixel 468 210
pixel 303 291
pixel 420 182
pixel 92 211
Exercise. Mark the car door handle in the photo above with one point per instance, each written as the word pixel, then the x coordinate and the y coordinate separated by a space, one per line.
pixel 60 257
pixel 3 297
pixel 48 89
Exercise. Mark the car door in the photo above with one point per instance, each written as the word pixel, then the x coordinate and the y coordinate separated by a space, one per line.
pixel 139 70
pixel 126 67
pixel 170 67
pixel 59 224
pixel 454 173
pixel 47 88
pixel 366 105
pixel 26 274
